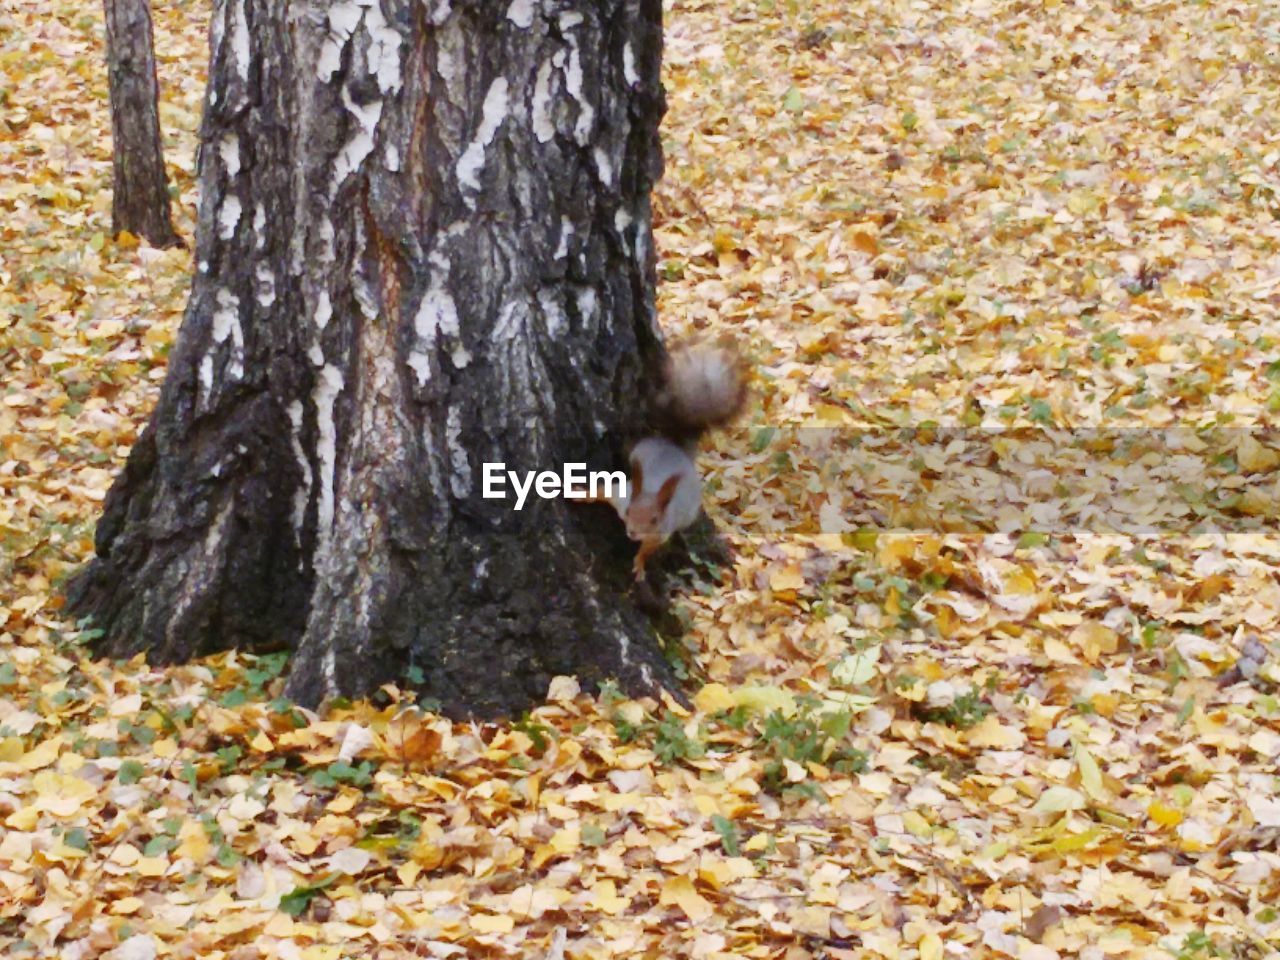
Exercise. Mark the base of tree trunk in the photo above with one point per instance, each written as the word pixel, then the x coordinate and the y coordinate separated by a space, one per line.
pixel 479 623
pixel 140 187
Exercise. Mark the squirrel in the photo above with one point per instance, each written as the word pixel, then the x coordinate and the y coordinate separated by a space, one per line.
pixel 704 387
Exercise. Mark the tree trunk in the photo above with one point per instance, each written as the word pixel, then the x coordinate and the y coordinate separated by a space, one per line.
pixel 140 190
pixel 424 244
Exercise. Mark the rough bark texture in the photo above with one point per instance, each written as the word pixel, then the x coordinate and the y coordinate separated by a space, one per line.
pixel 140 189
pixel 424 243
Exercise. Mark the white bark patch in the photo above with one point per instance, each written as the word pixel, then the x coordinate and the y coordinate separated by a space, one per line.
pixel 604 166
pixel 217 31
pixel 624 653
pixel 384 49
pixel 324 310
pixel 629 65
pixel 566 234
pixel 303 493
pixel 329 384
pixel 447 61
pixel 544 127
pixel 587 304
pixel 259 226
pixel 326 239
pixel 437 316
pixel 382 61
pixel 494 112
pixel 460 476
pixel 265 293
pixel 420 364
pixel 521 13
pixel 510 325
pixel 440 12
pixel 229 152
pixel 642 248
pixel 344 17
pixel 573 81
pixel 392 158
pixel 553 314
pixel 226 323
pixel 229 216
pixel 206 375
pixel 360 145
pixel 622 219
pixel 240 40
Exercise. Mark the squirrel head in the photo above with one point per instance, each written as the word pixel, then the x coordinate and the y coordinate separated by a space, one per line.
pixel 645 513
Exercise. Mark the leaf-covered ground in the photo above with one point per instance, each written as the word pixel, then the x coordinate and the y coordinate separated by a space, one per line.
pixel 1042 722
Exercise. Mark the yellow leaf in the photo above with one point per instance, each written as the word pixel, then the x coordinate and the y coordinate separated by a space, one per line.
pixel 991 733
pixel 44 753
pixel 857 668
pixel 152 866
pixel 59 794
pixel 193 843
pixel 1253 457
pixel 604 897
pixel 719 872
pixel 714 698
pixel 787 579
pixel 126 855
pixel 344 801
pixel 1058 651
pixel 865 242
pixel 678 891
pixel 1019 582
pixel 914 692
pixel 492 923
pixel 705 805
pixel 1164 815
pixel 763 700
pixel 1059 800
pixel 280 925
pixel 930 947
pixel 1094 639
pixel 915 824
pixel 1090 775
pixel 565 841
pixel 1075 842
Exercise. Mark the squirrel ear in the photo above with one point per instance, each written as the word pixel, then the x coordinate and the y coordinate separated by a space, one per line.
pixel 637 477
pixel 668 490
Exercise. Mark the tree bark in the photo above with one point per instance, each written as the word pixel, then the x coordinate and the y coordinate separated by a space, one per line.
pixel 424 244
pixel 140 189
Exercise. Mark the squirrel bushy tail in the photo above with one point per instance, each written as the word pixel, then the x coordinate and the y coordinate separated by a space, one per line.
pixel 705 387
